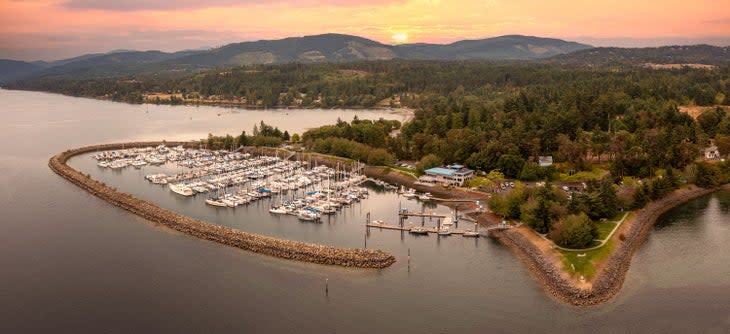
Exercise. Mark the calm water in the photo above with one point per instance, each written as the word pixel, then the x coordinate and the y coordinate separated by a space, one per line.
pixel 72 262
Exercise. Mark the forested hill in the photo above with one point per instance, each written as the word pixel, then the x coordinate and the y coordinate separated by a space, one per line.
pixel 688 54
pixel 11 70
pixel 386 83
pixel 307 49
pixel 512 47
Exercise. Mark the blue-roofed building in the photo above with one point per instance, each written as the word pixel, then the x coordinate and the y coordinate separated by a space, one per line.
pixel 452 175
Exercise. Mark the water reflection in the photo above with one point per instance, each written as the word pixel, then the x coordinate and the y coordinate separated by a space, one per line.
pixel 75 263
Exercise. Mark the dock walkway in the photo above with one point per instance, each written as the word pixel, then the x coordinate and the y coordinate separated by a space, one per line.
pixel 430 214
pixel 408 226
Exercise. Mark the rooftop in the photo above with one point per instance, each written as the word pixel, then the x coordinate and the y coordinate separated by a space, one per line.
pixel 448 171
pixel 441 171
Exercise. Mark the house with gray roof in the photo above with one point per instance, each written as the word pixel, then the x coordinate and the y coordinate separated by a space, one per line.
pixel 452 175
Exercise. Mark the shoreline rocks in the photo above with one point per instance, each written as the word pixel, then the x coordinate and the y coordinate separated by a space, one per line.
pixel 611 277
pixel 286 249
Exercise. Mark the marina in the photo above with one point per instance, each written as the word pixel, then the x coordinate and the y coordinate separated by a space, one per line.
pixel 298 189
pixel 232 179
pixel 96 268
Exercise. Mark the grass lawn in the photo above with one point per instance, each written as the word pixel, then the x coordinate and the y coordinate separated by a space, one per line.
pixel 604 229
pixel 406 170
pixel 596 173
pixel 481 181
pixel 585 266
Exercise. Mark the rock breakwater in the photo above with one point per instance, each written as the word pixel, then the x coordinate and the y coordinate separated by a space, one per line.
pixel 292 250
pixel 609 280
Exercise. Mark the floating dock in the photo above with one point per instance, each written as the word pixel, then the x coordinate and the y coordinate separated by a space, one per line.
pixel 405 213
pixel 407 227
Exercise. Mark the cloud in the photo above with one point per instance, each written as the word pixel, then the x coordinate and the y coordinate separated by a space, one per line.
pixel 168 5
pixel 54 46
pixel 723 21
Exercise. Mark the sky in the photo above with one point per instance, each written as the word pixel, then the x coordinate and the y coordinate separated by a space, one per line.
pixel 57 29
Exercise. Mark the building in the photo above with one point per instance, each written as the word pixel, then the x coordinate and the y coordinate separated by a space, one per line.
pixel 452 175
pixel 712 153
pixel 545 161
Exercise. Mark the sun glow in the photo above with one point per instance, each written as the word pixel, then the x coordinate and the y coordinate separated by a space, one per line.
pixel 400 37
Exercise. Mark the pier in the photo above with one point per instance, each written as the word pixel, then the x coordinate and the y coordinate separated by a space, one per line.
pixel 403 213
pixel 408 226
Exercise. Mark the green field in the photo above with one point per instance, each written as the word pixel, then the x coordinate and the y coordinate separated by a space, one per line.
pixel 604 229
pixel 584 266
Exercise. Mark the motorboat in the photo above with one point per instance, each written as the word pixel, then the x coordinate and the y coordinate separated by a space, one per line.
pixel 472 234
pixel 420 230
pixel 215 201
pixel 181 189
pixel 448 221
pixel 278 210
pixel 306 215
pixel 425 197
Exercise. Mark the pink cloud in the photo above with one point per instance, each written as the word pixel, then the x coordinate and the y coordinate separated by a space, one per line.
pixel 135 5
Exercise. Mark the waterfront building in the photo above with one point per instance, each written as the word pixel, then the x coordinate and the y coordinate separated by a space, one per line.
pixel 452 175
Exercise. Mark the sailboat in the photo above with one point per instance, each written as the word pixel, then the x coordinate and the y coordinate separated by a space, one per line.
pixel 216 200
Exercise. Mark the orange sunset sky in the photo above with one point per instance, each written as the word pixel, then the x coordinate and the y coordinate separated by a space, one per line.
pixel 55 29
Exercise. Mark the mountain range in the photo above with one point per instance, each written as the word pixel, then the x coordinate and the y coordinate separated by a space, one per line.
pixel 307 49
pixel 344 48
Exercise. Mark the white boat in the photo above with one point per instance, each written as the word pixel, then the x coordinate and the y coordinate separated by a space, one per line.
pixel 409 194
pixel 425 197
pixel 215 201
pixel 181 189
pixel 444 231
pixel 306 215
pixel 418 230
pixel 278 210
pixel 448 221
pixel 200 189
pixel 472 234
pixel 326 209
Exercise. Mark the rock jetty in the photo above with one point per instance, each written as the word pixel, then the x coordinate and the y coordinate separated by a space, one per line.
pixel 611 277
pixel 292 250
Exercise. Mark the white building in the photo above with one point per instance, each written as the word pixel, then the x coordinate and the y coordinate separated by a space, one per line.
pixel 452 175
pixel 712 153
pixel 545 161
